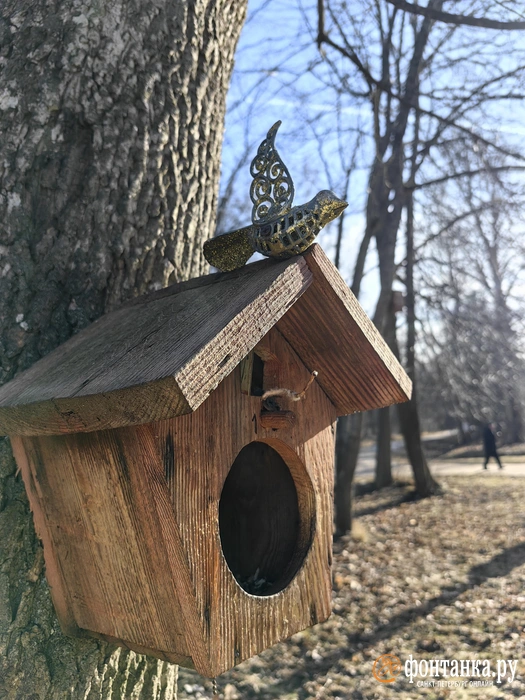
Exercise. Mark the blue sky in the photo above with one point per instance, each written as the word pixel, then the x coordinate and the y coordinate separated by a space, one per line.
pixel 279 74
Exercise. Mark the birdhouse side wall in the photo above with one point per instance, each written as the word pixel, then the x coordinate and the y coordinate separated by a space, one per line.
pixel 114 559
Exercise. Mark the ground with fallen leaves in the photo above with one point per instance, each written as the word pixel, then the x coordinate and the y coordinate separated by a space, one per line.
pixel 440 578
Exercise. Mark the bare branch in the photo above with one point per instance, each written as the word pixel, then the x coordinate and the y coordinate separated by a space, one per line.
pixel 405 100
pixel 348 52
pixel 449 18
pixel 450 224
pixel 466 173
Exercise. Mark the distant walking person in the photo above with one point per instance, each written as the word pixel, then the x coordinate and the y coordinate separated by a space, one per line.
pixel 489 444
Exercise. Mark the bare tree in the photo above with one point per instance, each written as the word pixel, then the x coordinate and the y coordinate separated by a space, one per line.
pixel 408 87
pixel 111 117
pixel 472 274
pixel 457 20
pixel 400 77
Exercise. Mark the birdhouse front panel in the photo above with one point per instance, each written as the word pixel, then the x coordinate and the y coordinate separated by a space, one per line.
pixel 253 496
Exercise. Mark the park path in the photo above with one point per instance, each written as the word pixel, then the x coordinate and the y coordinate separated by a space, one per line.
pixel 512 466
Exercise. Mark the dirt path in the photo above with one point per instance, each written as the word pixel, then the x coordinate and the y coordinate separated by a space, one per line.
pixel 514 465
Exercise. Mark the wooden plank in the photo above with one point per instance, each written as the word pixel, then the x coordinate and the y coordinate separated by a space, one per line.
pixel 110 535
pixel 199 450
pixel 170 656
pixel 213 278
pixel 138 404
pixel 275 420
pixel 54 574
pixel 331 333
pixel 227 346
pixel 152 360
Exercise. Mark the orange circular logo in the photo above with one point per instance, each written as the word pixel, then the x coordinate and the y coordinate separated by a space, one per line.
pixel 386 668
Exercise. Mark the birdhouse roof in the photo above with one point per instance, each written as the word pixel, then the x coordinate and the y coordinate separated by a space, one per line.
pixel 162 355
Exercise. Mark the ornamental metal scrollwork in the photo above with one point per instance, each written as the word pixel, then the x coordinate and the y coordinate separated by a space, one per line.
pixel 272 189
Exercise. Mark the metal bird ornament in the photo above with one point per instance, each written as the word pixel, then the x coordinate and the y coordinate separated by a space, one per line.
pixel 278 230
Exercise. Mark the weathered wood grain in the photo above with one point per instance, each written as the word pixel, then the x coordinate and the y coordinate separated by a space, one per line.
pixel 154 359
pixel 130 517
pixel 111 543
pixel 331 333
pixel 246 368
pixel 237 625
pixel 162 355
pixel 277 420
pixel 55 578
pixel 130 524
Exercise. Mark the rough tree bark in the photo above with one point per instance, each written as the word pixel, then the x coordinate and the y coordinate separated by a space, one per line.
pixel 111 116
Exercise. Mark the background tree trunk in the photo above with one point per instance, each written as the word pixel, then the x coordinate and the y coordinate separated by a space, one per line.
pixel 384 452
pixel 347 445
pixel 408 412
pixel 384 417
pixel 411 430
pixel 385 203
pixel 111 116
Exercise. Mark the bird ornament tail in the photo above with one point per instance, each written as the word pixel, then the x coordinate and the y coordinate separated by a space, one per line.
pixel 230 250
pixel 278 230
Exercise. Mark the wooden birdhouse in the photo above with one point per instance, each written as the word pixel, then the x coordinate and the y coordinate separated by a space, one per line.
pixel 184 515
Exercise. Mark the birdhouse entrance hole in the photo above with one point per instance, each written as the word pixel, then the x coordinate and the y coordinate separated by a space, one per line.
pixel 266 517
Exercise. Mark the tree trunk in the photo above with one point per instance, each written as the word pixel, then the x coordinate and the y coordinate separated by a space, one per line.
pixel 386 199
pixel 111 117
pixel 347 444
pixel 410 428
pixel 384 453
pixel 516 421
pixel 348 441
pixel 384 425
pixel 408 412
